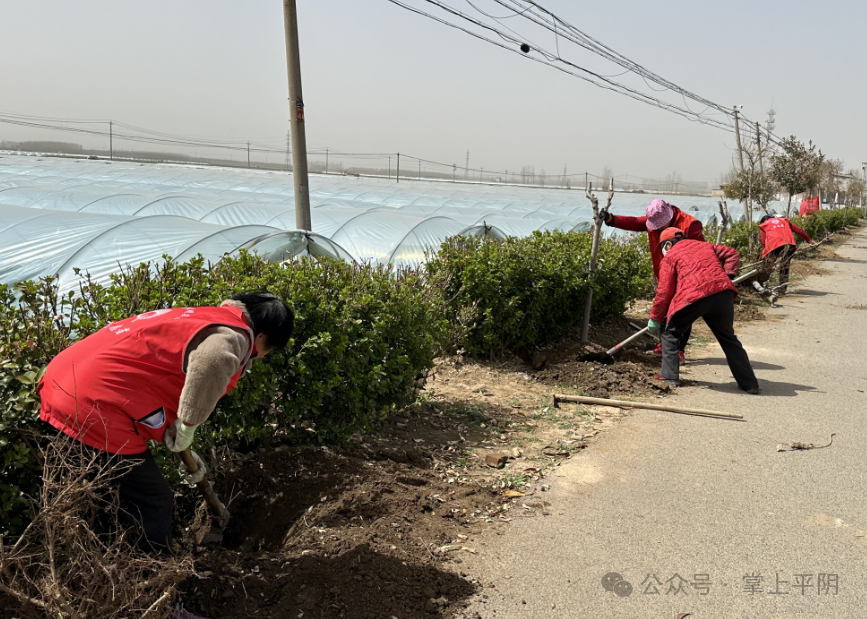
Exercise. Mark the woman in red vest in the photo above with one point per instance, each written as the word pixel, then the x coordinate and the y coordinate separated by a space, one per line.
pixel 778 240
pixel 658 216
pixel 694 284
pixel 157 376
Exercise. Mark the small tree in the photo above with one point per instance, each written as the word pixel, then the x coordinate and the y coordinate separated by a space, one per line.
pixel 854 188
pixel 831 178
pixel 796 167
pixel 751 184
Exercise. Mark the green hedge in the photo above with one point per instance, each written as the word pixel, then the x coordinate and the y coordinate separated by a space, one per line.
pixel 363 339
pixel 531 291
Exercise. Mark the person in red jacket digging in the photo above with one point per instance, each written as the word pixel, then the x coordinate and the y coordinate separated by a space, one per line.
pixel 778 240
pixel 692 285
pixel 659 215
pixel 157 376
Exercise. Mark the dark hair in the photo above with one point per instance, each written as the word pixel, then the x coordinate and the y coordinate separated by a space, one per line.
pixel 766 218
pixel 270 316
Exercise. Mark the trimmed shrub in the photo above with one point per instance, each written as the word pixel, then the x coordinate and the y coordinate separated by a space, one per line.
pixel 363 339
pixel 531 291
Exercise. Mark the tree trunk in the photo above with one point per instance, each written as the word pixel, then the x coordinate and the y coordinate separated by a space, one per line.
pixel 789 206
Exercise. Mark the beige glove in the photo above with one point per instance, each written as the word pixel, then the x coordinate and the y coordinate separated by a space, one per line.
pixel 199 475
pixel 179 436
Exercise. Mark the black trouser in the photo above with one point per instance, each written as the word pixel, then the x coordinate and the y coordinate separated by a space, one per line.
pixel 684 339
pixel 146 500
pixel 718 311
pixel 780 257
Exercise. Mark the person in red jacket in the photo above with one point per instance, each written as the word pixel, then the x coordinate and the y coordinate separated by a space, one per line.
pixel 157 376
pixel 659 215
pixel 778 240
pixel 692 285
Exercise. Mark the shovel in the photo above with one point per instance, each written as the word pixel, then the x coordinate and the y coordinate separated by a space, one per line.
pixel 219 514
pixel 607 357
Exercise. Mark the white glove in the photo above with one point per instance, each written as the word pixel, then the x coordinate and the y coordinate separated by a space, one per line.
pixel 193 478
pixel 179 436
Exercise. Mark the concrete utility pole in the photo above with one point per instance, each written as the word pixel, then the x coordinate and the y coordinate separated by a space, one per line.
pixel 296 121
pixel 398 167
pixel 737 109
pixel 111 140
pixel 467 168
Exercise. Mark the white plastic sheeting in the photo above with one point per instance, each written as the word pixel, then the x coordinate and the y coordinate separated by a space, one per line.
pixel 38 242
pixel 184 210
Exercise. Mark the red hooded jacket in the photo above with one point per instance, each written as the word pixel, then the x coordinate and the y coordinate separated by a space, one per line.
pixel 120 387
pixel 777 232
pixel 690 226
pixel 691 271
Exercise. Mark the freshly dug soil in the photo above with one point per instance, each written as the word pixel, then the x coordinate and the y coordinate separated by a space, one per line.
pixel 631 373
pixel 319 532
pixel 603 381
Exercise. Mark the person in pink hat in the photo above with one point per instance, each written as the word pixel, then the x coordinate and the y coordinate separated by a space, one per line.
pixel 658 216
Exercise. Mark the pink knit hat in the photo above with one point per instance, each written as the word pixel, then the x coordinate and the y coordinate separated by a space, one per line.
pixel 659 213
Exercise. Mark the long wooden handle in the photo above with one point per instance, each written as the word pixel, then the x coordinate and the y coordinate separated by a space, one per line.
pixel 218 510
pixel 741 278
pixel 627 340
pixel 654 407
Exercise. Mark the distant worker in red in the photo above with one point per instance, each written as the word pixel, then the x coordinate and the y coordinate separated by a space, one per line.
pixel 658 216
pixel 694 284
pixel 778 239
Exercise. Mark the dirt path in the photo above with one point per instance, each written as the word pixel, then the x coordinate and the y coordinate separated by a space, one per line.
pixel 709 513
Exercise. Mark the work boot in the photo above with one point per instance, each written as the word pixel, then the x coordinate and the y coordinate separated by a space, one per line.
pixel 680 356
pixel 668 381
pixel 750 390
pixel 657 350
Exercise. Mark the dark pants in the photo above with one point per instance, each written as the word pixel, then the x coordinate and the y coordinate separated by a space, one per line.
pixel 780 258
pixel 718 311
pixel 684 339
pixel 146 501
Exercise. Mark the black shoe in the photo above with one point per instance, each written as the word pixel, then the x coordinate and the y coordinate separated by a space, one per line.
pixel 750 390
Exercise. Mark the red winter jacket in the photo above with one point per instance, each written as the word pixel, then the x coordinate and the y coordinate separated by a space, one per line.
pixel 777 232
pixel 690 226
pixel 691 271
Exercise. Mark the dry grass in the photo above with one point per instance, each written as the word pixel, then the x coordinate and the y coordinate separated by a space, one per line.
pixel 64 565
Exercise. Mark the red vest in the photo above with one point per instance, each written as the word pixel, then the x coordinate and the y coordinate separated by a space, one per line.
pixel 776 233
pixel 120 386
pixel 808 206
pixel 682 222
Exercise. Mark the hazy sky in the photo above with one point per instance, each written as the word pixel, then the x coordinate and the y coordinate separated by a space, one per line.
pixel 380 79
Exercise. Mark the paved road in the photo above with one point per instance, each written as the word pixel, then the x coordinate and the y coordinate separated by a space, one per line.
pixel 669 498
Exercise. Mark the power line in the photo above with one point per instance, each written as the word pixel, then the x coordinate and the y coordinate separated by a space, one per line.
pixel 576 36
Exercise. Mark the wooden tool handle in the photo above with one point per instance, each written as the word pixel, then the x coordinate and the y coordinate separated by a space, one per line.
pixel 654 407
pixel 189 461
pixel 218 510
pixel 627 340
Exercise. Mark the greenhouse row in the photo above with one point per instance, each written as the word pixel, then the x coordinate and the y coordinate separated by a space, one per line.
pixel 57 215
